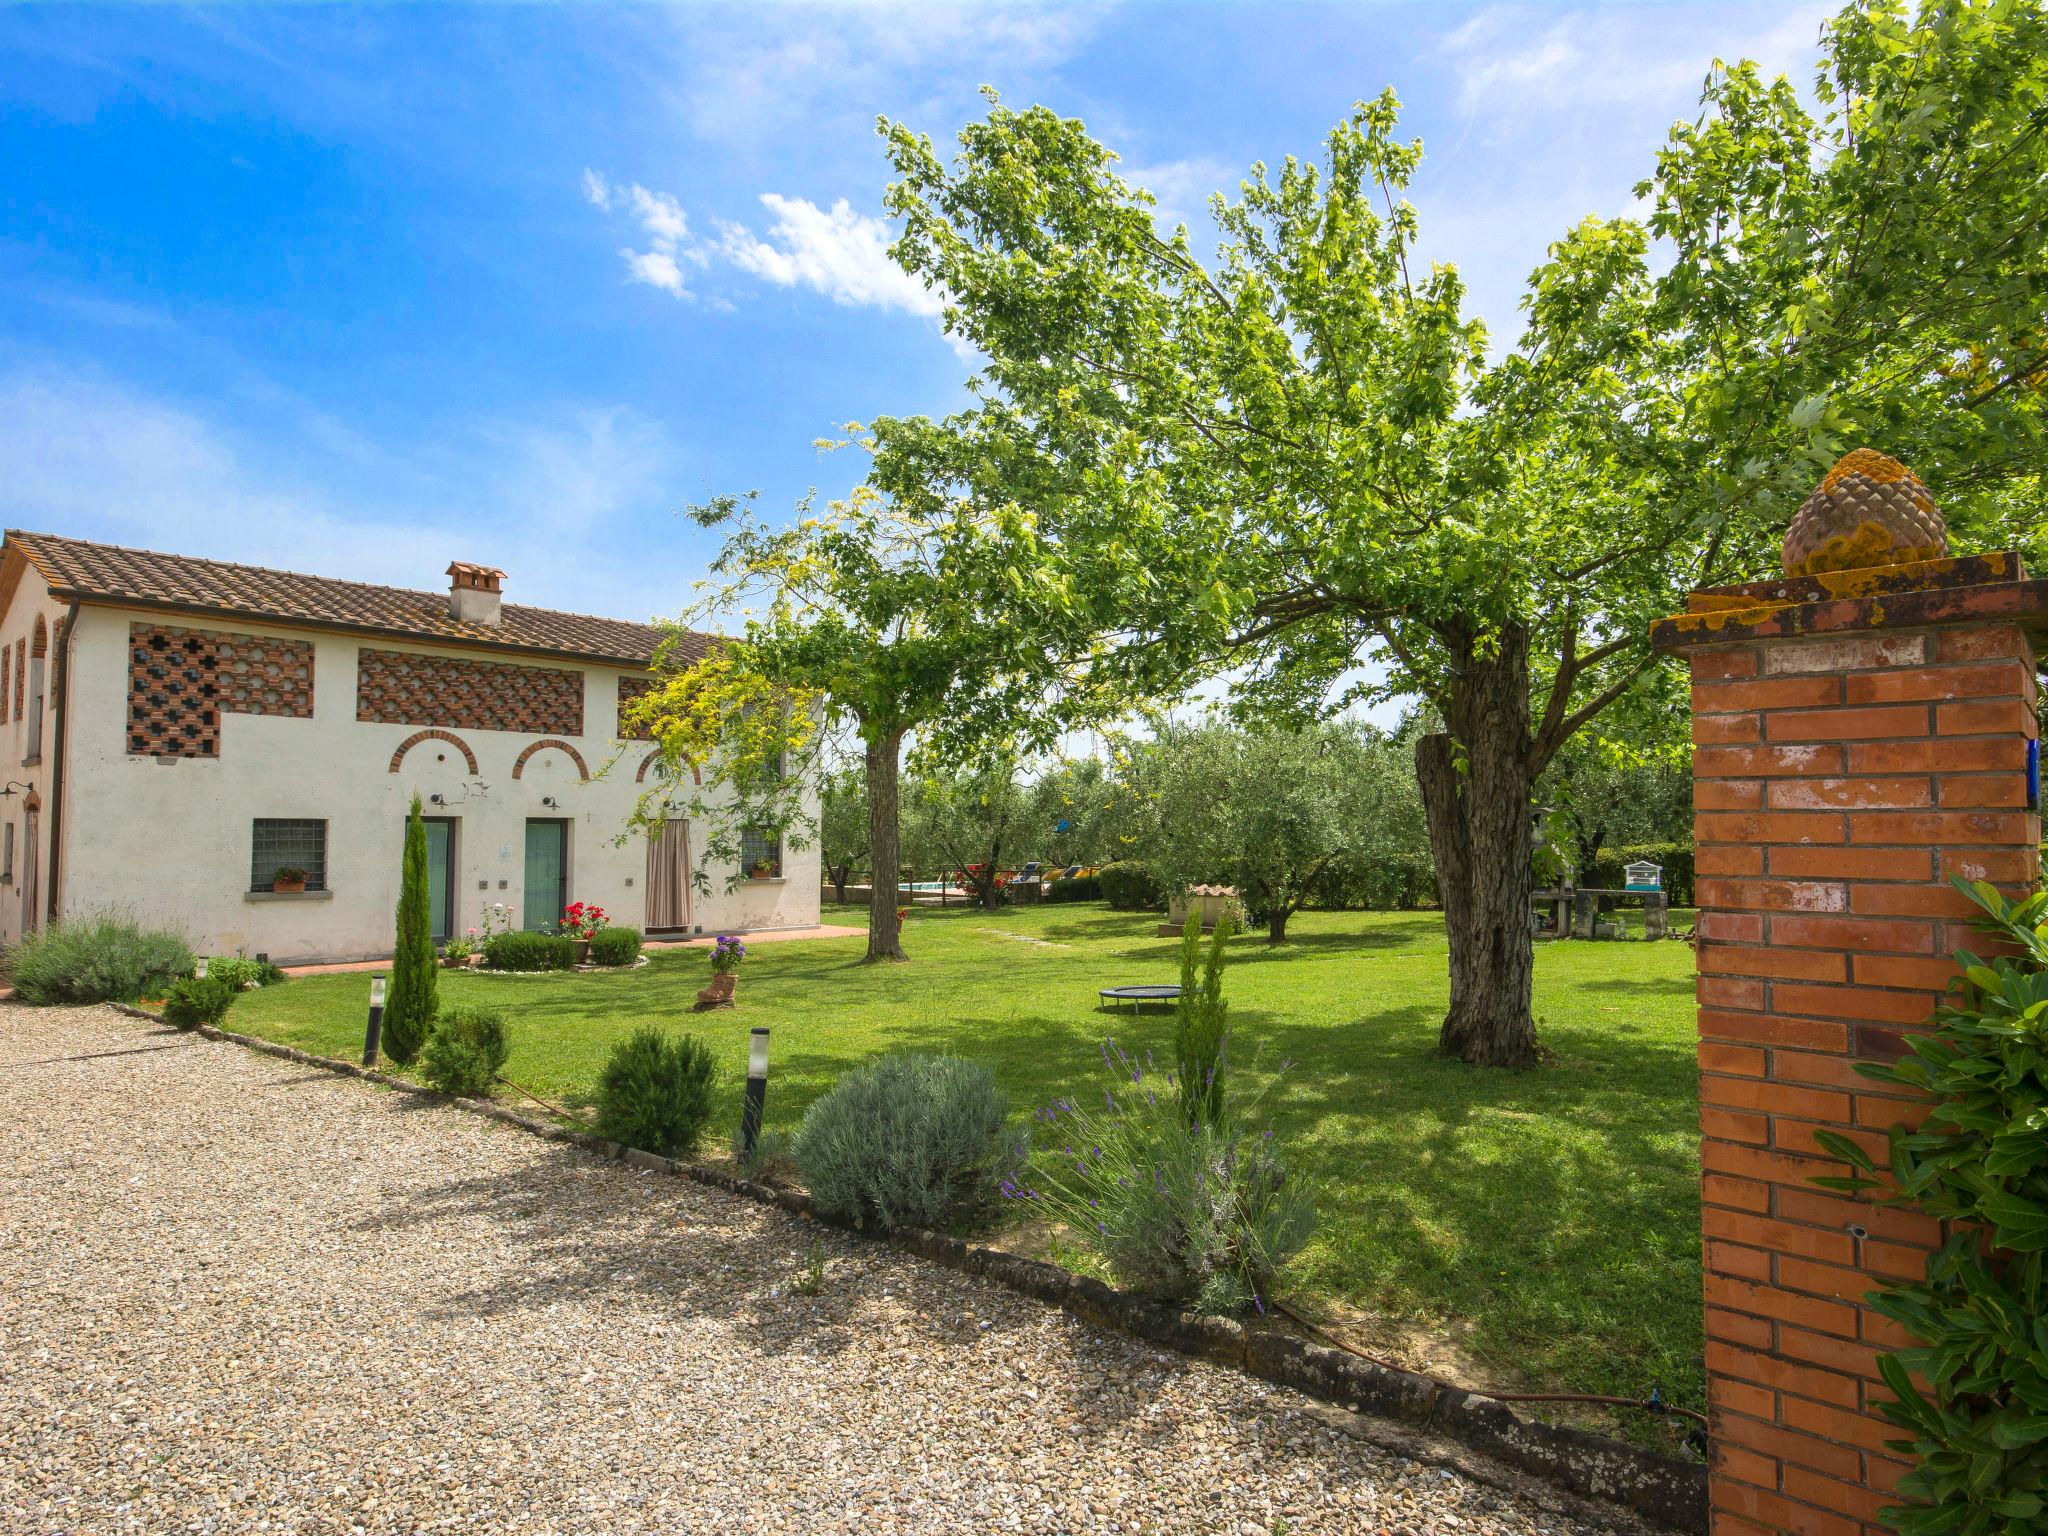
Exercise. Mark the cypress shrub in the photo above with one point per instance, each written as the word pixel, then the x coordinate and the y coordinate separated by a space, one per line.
pixel 529 952
pixel 910 1141
pixel 655 1092
pixel 466 1052
pixel 409 1006
pixel 615 946
pixel 101 958
pixel 1201 1023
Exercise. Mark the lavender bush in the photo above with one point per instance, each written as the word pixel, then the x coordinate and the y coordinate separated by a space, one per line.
pixel 1191 1211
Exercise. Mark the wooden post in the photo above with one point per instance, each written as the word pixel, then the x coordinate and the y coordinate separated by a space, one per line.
pixel 1859 738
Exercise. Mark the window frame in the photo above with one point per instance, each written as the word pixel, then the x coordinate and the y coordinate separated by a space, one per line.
pixel 756 844
pixel 279 856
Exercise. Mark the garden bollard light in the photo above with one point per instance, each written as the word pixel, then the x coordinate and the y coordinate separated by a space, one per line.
pixel 375 1032
pixel 757 1092
pixel 199 970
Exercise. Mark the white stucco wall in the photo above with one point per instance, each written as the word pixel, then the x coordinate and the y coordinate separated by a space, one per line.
pixel 170 842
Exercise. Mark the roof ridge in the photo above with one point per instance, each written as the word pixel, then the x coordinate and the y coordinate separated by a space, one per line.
pixel 427 595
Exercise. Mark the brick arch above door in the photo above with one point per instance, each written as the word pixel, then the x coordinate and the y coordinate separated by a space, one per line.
pixel 450 737
pixel 647 762
pixel 582 768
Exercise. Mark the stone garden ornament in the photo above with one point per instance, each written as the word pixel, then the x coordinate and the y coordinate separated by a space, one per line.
pixel 1869 511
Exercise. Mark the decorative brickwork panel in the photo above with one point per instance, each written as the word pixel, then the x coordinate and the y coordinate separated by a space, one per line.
pixel 394 688
pixel 1846 765
pixel 20 674
pixel 261 675
pixel 181 680
pixel 6 681
pixel 173 692
pixel 631 690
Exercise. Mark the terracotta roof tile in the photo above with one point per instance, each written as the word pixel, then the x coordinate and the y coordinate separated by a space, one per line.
pixel 77 568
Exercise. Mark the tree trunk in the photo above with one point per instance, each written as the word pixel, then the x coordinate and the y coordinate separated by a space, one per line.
pixel 1276 925
pixel 839 874
pixel 1476 788
pixel 885 935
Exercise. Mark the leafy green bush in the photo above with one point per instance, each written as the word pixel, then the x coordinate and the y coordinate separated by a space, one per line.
pixel 1401 882
pixel 1676 859
pixel 1979 1437
pixel 99 958
pixel 529 952
pixel 1130 886
pixel 1081 888
pixel 656 1092
pixel 196 1000
pixel 465 1052
pixel 909 1140
pixel 1191 1211
pixel 615 946
pixel 239 970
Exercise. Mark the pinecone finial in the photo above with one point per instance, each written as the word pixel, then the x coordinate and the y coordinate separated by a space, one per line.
pixel 1870 510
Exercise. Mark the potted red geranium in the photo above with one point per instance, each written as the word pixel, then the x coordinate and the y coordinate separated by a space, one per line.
pixel 580 919
pixel 288 880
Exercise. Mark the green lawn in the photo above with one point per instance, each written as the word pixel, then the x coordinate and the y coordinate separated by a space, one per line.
pixel 1541 1227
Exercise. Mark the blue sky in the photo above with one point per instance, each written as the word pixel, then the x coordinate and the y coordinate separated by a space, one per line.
pixel 360 291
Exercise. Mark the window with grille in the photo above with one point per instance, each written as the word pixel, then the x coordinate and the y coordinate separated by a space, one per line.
pixel 760 854
pixel 7 849
pixel 287 843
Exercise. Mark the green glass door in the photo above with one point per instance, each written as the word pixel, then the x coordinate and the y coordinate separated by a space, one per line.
pixel 441 875
pixel 547 874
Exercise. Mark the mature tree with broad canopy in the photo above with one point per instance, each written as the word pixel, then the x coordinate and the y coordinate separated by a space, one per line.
pixel 862 619
pixel 1299 459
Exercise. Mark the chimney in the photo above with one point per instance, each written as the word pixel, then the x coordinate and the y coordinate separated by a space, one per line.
pixel 474 593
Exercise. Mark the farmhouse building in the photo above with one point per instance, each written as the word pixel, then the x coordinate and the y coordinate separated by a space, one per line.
pixel 180 738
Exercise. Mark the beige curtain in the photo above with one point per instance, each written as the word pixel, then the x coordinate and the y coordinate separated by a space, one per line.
pixel 668 876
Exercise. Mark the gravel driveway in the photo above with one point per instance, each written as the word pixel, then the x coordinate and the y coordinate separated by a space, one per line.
pixel 237 1294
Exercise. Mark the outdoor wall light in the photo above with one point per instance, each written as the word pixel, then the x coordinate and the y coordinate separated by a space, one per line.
pixel 437 798
pixel 757 1091
pixel 374 1033
pixel 549 802
pixel 13 785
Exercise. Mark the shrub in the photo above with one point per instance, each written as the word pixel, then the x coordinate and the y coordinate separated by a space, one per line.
pixel 1193 1212
pixel 615 946
pixel 1080 888
pixel 96 959
pixel 1201 1023
pixel 909 1140
pixel 465 1052
pixel 414 997
pixel 655 1092
pixel 529 952
pixel 196 1000
pixel 1978 1435
pixel 239 970
pixel 1131 887
pixel 1399 882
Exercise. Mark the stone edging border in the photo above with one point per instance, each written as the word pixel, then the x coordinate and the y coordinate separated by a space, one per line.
pixel 1663 1489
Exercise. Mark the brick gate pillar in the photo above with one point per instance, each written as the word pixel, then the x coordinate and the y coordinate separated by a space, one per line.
pixel 1859 737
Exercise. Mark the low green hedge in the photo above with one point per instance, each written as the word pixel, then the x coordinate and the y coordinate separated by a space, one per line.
pixel 1130 886
pixel 529 952
pixel 615 946
pixel 1085 888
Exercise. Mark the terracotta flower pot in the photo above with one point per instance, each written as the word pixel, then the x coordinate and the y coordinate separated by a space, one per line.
pixel 288 887
pixel 455 962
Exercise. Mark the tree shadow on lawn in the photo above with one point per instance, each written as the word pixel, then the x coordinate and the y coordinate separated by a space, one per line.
pixel 588 1232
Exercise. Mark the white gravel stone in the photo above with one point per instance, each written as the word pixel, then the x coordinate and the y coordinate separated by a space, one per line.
pixel 237 1294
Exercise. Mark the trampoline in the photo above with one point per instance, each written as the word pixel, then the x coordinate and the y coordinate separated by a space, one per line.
pixel 1138 997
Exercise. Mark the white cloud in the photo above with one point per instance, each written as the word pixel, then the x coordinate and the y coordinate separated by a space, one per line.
pixel 837 252
pixel 1182 188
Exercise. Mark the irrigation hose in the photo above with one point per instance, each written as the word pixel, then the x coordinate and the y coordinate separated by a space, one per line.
pixel 543 1103
pixel 1653 1404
